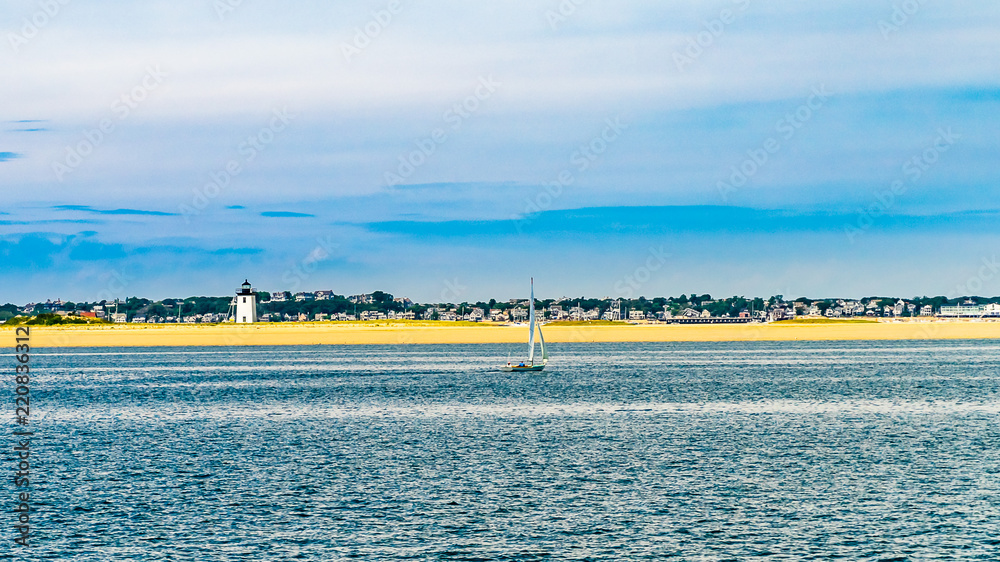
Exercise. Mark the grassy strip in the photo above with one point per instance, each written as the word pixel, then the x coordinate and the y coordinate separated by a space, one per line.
pixel 828 321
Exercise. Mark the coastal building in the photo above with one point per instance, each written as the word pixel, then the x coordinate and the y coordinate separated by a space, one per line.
pixel 246 304
pixel 519 314
pixel 962 311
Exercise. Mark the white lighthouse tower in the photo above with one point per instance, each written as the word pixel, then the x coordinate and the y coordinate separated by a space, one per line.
pixel 246 304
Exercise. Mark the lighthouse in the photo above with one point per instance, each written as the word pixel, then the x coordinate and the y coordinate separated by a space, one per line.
pixel 246 304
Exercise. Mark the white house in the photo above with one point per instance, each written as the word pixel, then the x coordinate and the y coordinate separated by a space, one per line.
pixel 897 310
pixel 992 309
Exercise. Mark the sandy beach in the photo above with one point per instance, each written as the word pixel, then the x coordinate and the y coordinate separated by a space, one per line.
pixel 329 333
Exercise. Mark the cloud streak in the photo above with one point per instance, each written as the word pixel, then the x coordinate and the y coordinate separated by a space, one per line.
pixel 89 209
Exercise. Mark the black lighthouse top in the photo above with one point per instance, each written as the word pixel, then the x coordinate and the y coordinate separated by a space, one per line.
pixel 245 289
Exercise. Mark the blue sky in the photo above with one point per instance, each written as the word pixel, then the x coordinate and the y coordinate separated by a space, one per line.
pixel 447 150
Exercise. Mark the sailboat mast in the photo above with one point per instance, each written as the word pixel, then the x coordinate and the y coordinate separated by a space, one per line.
pixel 531 324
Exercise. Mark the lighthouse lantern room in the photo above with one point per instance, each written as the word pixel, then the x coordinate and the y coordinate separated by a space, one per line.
pixel 246 304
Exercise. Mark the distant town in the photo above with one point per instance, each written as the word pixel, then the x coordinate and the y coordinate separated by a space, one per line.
pixel 327 306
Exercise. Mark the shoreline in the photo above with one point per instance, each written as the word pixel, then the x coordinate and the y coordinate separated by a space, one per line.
pixel 387 333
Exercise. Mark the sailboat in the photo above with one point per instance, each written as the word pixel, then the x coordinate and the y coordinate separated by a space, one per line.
pixel 530 364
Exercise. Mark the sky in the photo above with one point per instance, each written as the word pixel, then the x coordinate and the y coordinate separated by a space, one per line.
pixel 447 151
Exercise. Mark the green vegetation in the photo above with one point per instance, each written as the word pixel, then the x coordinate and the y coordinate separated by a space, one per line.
pixel 49 319
pixel 829 321
pixel 585 323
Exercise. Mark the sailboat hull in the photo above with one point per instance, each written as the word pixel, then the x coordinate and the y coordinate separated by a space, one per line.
pixel 519 369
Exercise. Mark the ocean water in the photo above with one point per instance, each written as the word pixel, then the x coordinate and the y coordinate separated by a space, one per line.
pixel 687 451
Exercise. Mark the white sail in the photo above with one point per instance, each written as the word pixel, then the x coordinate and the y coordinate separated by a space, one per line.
pixel 531 324
pixel 545 354
pixel 530 365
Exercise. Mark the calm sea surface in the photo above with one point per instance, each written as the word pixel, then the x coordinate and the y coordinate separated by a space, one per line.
pixel 691 451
